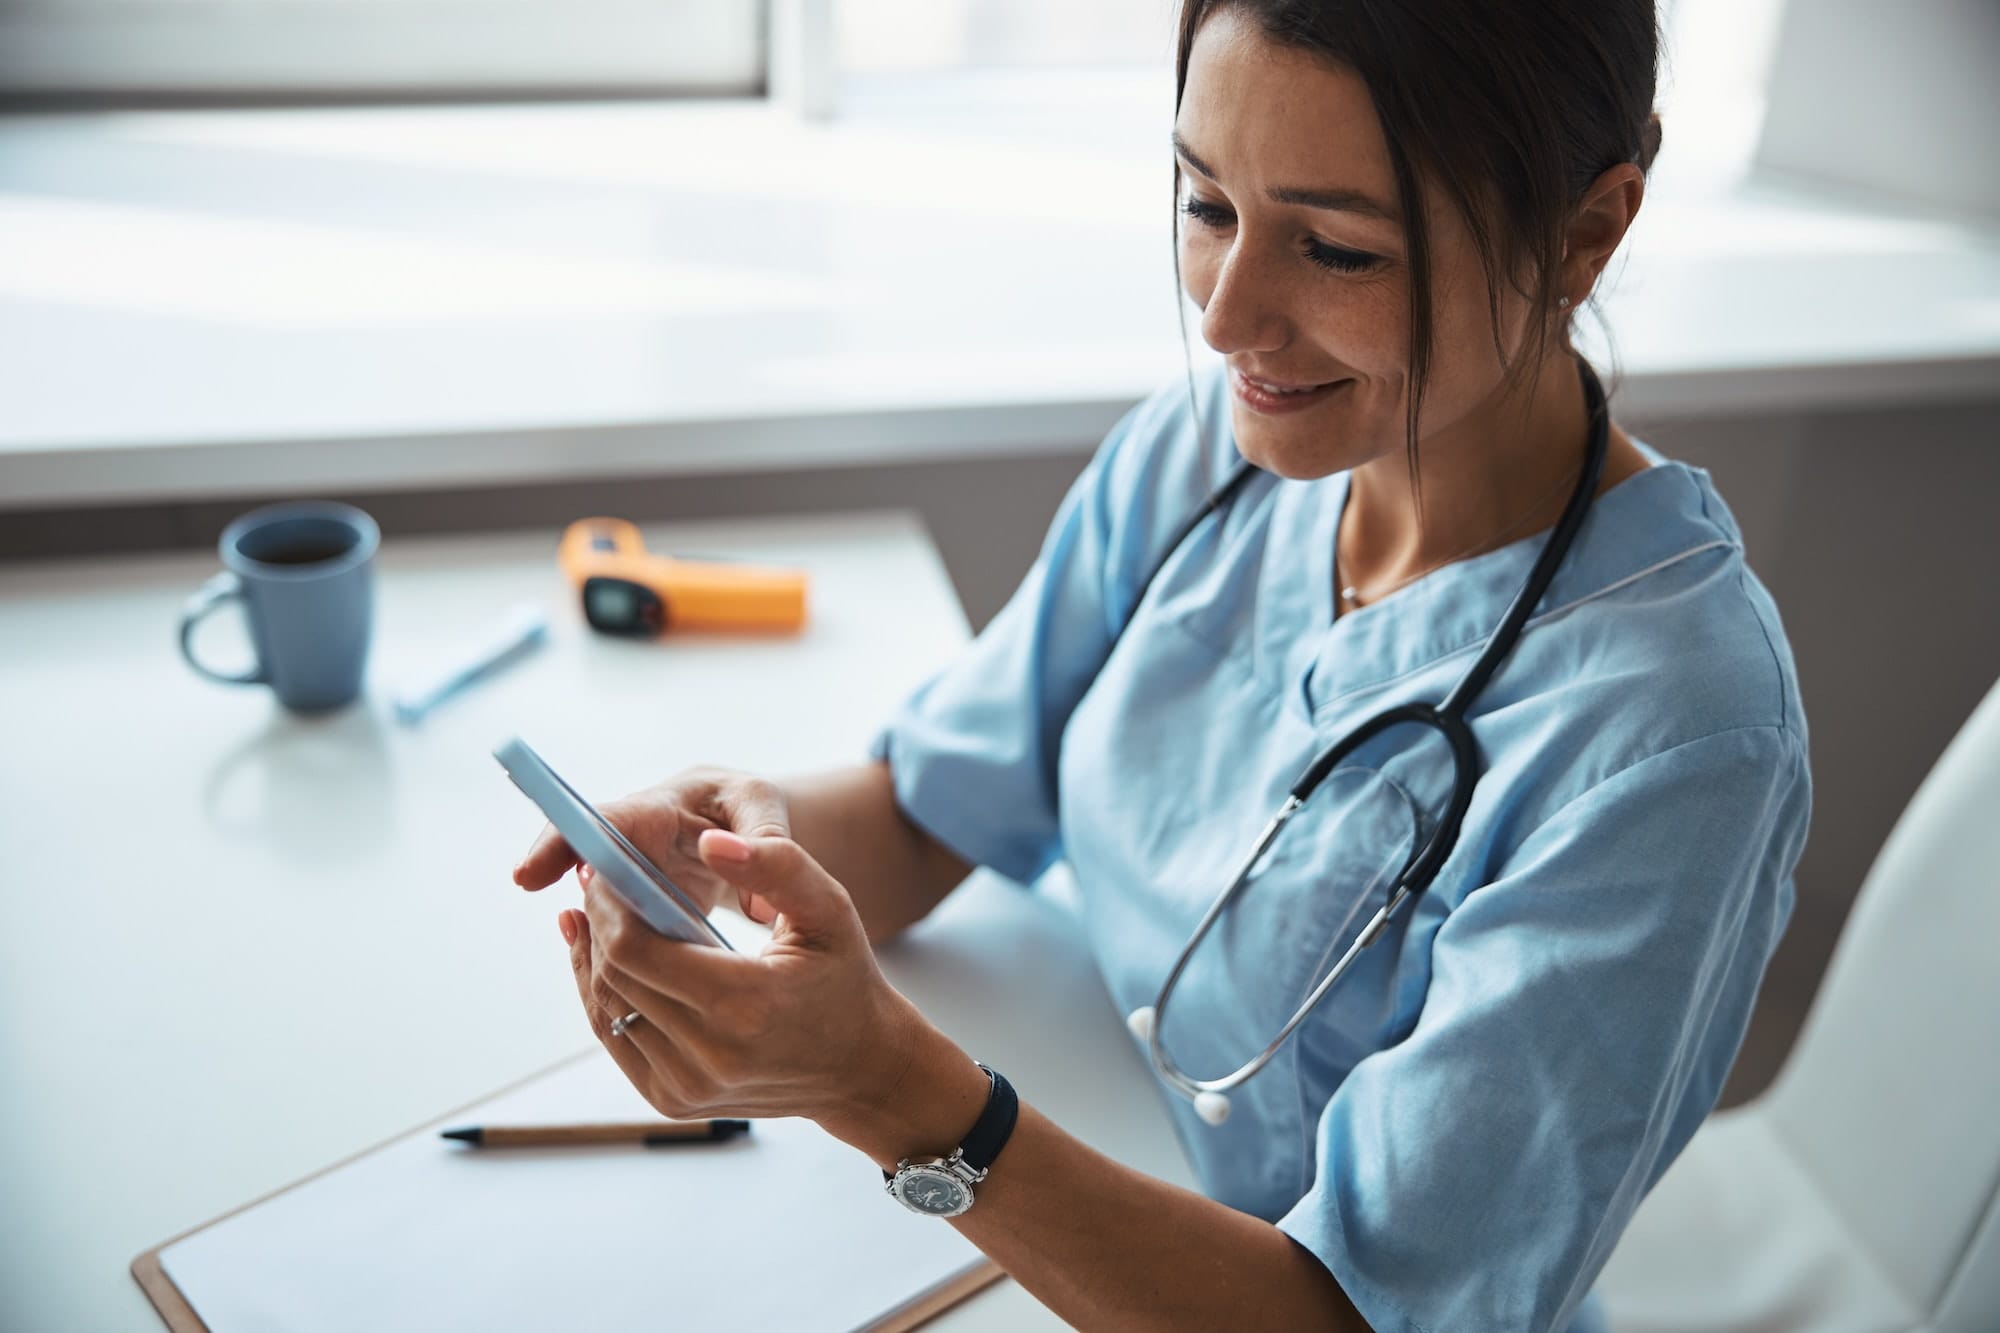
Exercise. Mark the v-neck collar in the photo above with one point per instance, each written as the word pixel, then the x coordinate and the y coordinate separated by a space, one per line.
pixel 1314 661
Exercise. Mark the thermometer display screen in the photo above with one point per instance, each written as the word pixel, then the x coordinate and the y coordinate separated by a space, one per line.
pixel 620 606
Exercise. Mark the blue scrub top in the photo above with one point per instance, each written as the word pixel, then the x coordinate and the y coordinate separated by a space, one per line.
pixel 1463 1127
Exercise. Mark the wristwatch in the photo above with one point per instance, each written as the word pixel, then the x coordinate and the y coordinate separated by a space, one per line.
pixel 942 1186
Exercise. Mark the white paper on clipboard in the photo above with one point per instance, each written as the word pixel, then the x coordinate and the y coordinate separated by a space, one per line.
pixel 784 1228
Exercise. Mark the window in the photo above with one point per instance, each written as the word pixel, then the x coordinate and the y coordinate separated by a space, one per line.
pixel 223 50
pixel 1715 60
pixel 187 50
pixel 880 36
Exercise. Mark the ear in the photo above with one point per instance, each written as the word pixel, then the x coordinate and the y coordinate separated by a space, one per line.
pixel 1596 227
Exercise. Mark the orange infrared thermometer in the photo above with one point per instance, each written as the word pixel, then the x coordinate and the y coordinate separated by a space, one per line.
pixel 628 590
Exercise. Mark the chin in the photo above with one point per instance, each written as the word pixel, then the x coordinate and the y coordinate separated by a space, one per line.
pixel 1295 453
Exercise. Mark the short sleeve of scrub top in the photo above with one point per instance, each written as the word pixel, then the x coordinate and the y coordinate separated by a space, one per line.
pixel 992 723
pixel 1461 1130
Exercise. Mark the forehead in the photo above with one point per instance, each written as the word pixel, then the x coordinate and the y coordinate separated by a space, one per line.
pixel 1268 114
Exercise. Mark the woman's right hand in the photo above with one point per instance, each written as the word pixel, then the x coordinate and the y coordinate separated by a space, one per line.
pixel 665 821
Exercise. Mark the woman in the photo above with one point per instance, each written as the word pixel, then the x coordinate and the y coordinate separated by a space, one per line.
pixel 1389 209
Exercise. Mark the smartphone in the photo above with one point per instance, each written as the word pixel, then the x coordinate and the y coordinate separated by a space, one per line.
pixel 619 865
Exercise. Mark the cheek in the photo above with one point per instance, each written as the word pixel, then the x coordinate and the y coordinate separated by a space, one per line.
pixel 1466 365
pixel 1365 326
pixel 1198 257
pixel 1362 326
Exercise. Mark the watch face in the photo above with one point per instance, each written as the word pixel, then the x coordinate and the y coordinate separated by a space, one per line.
pixel 935 1193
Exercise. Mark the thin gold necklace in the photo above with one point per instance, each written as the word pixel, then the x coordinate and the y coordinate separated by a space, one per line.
pixel 1353 595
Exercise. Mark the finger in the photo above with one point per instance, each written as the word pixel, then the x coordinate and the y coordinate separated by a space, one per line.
pixel 696 975
pixel 547 859
pixel 688 1058
pixel 646 1052
pixel 780 872
pixel 583 970
pixel 598 1000
pixel 682 1060
pixel 644 822
pixel 622 992
pixel 755 808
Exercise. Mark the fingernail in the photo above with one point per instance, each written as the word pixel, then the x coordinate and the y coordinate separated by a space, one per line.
pixel 567 927
pixel 723 845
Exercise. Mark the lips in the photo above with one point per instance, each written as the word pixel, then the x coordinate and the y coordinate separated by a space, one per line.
pixel 1283 386
pixel 1275 396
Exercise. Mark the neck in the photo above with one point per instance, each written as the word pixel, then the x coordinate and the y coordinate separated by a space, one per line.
pixel 1494 477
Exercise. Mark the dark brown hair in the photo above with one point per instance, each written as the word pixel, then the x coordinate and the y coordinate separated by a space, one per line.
pixel 1511 107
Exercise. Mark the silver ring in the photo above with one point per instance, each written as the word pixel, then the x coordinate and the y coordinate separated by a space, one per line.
pixel 620 1026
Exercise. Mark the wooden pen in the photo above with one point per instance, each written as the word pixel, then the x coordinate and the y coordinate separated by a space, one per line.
pixel 652 1133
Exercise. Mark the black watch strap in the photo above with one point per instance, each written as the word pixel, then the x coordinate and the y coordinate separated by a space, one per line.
pixel 990 1132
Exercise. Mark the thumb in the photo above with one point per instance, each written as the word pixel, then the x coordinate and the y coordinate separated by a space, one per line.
pixel 779 871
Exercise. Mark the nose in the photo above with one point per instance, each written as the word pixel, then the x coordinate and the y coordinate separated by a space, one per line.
pixel 1245 310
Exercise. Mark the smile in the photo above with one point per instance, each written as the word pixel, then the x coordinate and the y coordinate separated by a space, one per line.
pixel 1264 396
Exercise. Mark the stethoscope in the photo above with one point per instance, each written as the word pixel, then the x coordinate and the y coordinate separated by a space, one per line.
pixel 1210 1095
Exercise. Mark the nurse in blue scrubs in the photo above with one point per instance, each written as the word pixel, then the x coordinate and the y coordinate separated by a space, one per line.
pixel 1389 212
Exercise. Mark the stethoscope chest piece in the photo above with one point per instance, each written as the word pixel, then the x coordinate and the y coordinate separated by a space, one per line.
pixel 1212 1107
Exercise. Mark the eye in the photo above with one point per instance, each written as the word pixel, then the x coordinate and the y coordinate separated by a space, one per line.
pixel 1207 214
pixel 1331 257
pixel 1337 259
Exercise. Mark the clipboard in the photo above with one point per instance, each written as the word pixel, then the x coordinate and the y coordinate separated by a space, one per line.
pixel 950 1279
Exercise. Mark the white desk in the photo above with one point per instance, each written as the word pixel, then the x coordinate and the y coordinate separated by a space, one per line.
pixel 239 946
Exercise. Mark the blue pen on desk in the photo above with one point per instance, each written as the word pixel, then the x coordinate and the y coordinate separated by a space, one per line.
pixel 525 629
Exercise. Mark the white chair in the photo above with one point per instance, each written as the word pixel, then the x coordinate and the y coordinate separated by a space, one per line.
pixel 1861 1191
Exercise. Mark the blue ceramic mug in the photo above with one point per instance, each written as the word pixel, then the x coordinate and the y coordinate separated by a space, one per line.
pixel 305 575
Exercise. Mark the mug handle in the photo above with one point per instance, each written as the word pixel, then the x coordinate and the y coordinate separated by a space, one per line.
pixel 224 587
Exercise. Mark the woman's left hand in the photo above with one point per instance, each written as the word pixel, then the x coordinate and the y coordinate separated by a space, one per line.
pixel 809 1027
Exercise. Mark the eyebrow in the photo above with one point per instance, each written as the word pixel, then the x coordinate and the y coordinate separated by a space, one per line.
pixel 1335 200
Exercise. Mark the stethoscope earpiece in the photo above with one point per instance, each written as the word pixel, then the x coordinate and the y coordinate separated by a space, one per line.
pixel 1140 1020
pixel 1212 1107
